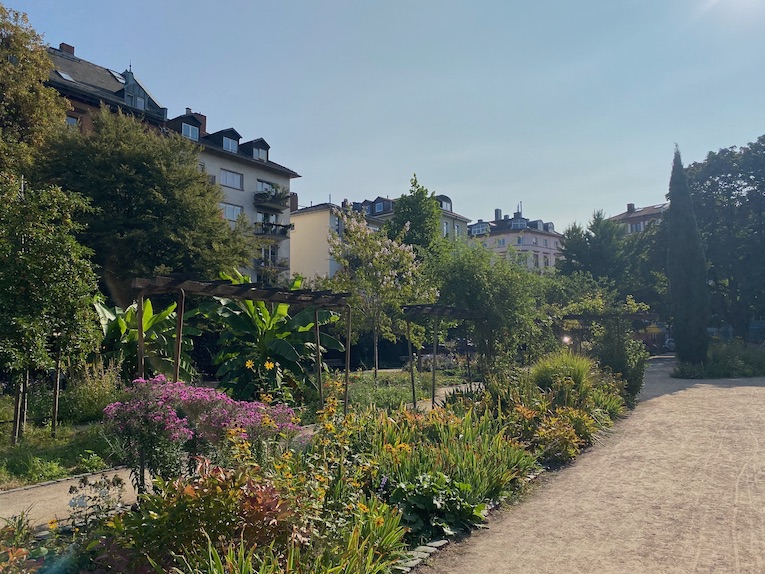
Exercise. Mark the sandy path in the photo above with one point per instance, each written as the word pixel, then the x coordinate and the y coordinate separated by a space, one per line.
pixel 678 487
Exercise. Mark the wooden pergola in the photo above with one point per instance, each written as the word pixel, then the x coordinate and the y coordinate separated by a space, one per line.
pixel 435 312
pixel 249 291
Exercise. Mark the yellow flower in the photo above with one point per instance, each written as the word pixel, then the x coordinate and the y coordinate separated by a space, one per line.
pixel 379 521
pixel 269 365
pixel 53 524
pixel 363 507
pixel 266 398
pixel 248 364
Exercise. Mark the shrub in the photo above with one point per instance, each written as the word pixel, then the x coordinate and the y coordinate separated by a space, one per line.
pixel 89 392
pixel 556 439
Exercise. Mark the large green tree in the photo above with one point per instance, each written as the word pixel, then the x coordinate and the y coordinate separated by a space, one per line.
pixel 728 191
pixel 687 271
pixel 154 212
pixel 416 218
pixel 46 284
pixel 29 111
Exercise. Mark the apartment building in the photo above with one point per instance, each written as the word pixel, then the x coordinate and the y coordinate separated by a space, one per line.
pixel 535 242
pixel 637 219
pixel 452 224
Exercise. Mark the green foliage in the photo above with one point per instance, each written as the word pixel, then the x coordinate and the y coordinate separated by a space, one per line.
pixel 262 348
pixel 434 506
pixel 416 219
pixel 29 111
pixel 725 360
pixel 41 457
pixel 496 291
pixel 728 191
pixel 381 274
pixel 687 272
pixel 154 212
pixel 89 391
pixel 45 276
pixel 120 341
pixel 389 392
pixel 597 250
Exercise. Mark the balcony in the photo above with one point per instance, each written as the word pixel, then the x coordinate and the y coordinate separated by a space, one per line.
pixel 275 199
pixel 273 263
pixel 272 230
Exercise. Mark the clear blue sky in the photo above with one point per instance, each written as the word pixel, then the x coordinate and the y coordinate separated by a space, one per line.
pixel 566 106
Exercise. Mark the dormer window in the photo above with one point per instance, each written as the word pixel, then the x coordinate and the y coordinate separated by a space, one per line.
pixel 135 101
pixel 190 132
pixel 230 144
pixel 261 154
pixel 378 207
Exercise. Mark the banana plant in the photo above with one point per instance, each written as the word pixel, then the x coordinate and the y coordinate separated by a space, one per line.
pixel 120 342
pixel 264 349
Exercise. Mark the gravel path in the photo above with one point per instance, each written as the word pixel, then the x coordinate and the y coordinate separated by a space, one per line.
pixel 677 487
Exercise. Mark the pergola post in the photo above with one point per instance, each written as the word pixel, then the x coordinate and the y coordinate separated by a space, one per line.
pixel 347 359
pixel 318 357
pixel 141 350
pixel 411 362
pixel 433 367
pixel 179 333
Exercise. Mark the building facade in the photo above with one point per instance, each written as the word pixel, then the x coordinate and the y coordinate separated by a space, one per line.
pixel 637 219
pixel 534 242
pixel 253 185
pixel 452 224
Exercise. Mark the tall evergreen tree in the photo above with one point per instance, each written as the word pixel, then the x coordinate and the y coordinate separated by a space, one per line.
pixel 687 272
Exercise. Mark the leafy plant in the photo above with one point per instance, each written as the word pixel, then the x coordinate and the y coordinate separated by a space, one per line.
pixel 120 343
pixel 89 391
pixel 263 348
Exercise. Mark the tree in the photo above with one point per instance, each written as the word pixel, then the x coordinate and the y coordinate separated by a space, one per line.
pixel 728 191
pixel 382 274
pixel 416 218
pixel 499 291
pixel 29 111
pixel 154 212
pixel 687 272
pixel 46 284
pixel 598 250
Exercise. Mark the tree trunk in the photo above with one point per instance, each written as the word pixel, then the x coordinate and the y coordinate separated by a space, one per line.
pixel 56 391
pixel 24 401
pixel 15 435
pixel 376 356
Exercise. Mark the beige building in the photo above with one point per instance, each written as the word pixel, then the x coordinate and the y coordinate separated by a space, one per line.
pixel 452 224
pixel 535 242
pixel 253 186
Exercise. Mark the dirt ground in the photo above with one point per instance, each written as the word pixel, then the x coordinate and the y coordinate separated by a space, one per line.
pixel 677 487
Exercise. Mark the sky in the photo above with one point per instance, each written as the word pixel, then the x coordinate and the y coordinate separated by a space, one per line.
pixel 566 107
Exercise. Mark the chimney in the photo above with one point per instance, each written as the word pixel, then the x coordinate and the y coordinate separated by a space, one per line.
pixel 630 208
pixel 497 214
pixel 507 217
pixel 188 111
pixel 293 200
pixel 66 48
pixel 202 120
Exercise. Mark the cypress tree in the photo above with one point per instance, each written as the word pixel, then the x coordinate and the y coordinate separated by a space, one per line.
pixel 687 272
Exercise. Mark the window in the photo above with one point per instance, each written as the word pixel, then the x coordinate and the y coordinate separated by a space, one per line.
pixel 445 228
pixel 190 132
pixel 533 240
pixel 457 230
pixel 520 240
pixel 547 261
pixel 72 122
pixel 557 245
pixel 66 76
pixel 378 207
pixel 501 242
pixel 201 167
pixel 366 209
pixel 546 243
pixel 446 205
pixel 261 154
pixel 231 179
pixel 135 101
pixel 264 187
pixel 230 212
pixel 536 259
pixel 230 144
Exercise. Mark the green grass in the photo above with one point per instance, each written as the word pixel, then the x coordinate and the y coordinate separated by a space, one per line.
pixel 393 388
pixel 39 457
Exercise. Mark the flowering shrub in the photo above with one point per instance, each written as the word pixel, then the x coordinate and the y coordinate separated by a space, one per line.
pixel 160 420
